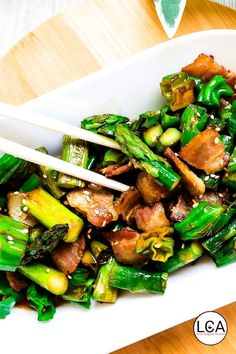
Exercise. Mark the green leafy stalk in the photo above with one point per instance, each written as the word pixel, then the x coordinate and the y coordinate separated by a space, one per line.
pixel 228 142
pixel 210 182
pixel 204 220
pixel 178 89
pixel 214 243
pixel 144 158
pixel 193 121
pixel 146 120
pixel 156 244
pixel 48 278
pixel 228 118
pixel 13 242
pixel 8 297
pixel 48 179
pixel 230 176
pixel 50 212
pixel 104 124
pixel 41 301
pixel 190 253
pixel 74 151
pixel 44 243
pixel 214 90
pixel 103 291
pixel 137 280
pixel 8 166
pixel 33 182
pixel 226 254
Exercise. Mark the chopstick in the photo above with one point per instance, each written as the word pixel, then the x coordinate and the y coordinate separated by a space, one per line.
pixel 39 158
pixel 43 121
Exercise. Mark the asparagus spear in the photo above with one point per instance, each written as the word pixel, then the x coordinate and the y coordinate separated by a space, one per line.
pixel 137 280
pixel 50 212
pixel 48 180
pixel 144 158
pixel 214 243
pixel 103 291
pixel 182 257
pixel 74 151
pixel 103 124
pixel 226 254
pixel 48 278
pixel 13 241
pixel 193 121
pixel 204 220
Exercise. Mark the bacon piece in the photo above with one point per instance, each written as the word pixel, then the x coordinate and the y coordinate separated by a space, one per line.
pixel 14 203
pixel 205 67
pixel 127 204
pixel 123 244
pixel 205 152
pixel 193 183
pixel 149 218
pixel 181 209
pixel 149 189
pixel 116 169
pixel 95 204
pixel 67 256
pixel 17 281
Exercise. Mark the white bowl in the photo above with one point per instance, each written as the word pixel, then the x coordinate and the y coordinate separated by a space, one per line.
pixel 128 88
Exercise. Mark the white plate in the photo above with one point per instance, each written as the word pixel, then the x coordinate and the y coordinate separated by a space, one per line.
pixel 128 88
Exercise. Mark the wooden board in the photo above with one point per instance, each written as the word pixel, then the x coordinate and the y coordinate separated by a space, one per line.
pixel 84 39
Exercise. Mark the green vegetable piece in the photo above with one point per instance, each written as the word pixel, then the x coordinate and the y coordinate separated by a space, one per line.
pixel 74 151
pixel 214 90
pixel 232 162
pixel 3 202
pixel 228 142
pixel 48 278
pixel 204 220
pixel 41 301
pixel 168 120
pixel 210 182
pixel 104 124
pixel 151 135
pixel 97 247
pixel 178 89
pixel 91 162
pixel 50 212
pixel 226 254
pixel 193 121
pixel 81 295
pixel 146 120
pixel 156 244
pixel 190 253
pixel 78 278
pixel 46 242
pixel 48 180
pixel 137 280
pixel 112 157
pixel 230 176
pixel 89 260
pixel 103 291
pixel 170 137
pixel 33 182
pixel 35 233
pixel 8 166
pixel 144 158
pixel 8 297
pixel 214 243
pixel 13 241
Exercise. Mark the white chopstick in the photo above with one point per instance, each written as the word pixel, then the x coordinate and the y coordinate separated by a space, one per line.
pixel 40 120
pixel 39 158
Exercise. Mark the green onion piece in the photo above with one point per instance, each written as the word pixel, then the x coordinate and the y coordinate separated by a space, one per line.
pixel 41 301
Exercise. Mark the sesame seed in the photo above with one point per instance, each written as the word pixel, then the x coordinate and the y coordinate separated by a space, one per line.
pixel 200 196
pixel 176 154
pixel 10 238
pixel 198 114
pixel 212 116
pixel 216 141
pixel 221 195
pixel 104 223
pixel 25 208
pixel 212 175
pixel 45 176
pixel 115 243
pixel 216 176
pixel 218 129
pixel 25 231
pixel 69 276
pixel 96 211
pixel 23 201
pixel 15 193
pixel 88 198
pixel 11 242
pixel 206 178
pixel 48 270
pixel 182 246
pixel 86 192
pixel 195 205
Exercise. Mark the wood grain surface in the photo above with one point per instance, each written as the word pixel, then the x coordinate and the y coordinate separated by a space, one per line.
pixel 82 40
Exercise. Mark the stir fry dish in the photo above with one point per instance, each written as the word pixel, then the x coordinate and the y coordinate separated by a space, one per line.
pixel 65 240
